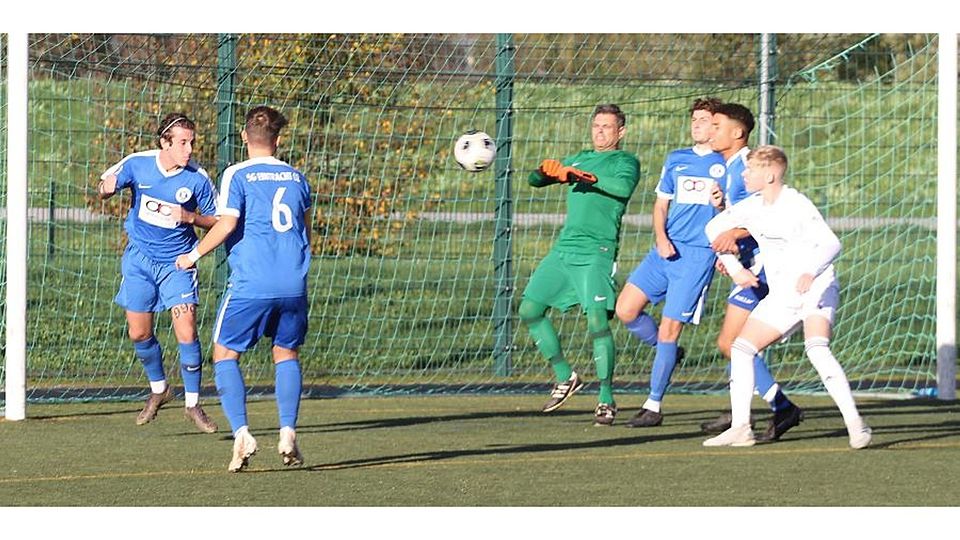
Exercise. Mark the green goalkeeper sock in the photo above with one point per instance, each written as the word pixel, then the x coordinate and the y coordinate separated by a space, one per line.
pixel 545 337
pixel 604 354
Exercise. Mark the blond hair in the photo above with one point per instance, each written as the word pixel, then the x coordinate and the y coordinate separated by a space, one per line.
pixel 768 155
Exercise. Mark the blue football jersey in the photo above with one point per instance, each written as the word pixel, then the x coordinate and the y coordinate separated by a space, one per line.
pixel 687 180
pixel 269 251
pixel 736 192
pixel 150 224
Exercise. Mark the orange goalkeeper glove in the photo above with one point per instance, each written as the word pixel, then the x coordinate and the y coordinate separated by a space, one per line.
pixel 552 168
pixel 580 176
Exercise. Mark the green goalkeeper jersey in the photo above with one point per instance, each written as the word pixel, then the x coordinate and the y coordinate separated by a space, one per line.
pixel 594 211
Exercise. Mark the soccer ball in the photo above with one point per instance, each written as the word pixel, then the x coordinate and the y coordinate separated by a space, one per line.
pixel 475 151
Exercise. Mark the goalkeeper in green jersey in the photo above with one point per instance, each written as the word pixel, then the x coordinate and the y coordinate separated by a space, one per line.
pixel 579 267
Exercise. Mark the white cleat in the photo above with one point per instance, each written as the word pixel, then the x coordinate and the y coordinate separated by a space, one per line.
pixel 860 434
pixel 735 436
pixel 244 446
pixel 289 451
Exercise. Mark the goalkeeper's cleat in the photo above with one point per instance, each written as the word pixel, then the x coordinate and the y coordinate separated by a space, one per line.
pixel 781 422
pixel 735 436
pixel 604 414
pixel 244 446
pixel 152 405
pixel 200 418
pixel 289 451
pixel 860 434
pixel 562 391
pixel 645 418
pixel 718 425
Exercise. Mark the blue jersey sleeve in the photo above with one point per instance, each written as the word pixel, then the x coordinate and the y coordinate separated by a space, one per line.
pixel 206 196
pixel 124 172
pixel 235 198
pixel 667 184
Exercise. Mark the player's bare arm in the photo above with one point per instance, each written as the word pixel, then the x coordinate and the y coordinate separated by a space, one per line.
pixel 716 197
pixel 216 236
pixel 745 278
pixel 196 219
pixel 665 247
pixel 107 187
pixel 804 282
pixel 726 242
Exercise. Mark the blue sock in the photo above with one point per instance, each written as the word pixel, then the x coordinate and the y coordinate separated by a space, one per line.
pixel 151 356
pixel 764 382
pixel 190 362
pixel 644 328
pixel 663 364
pixel 288 383
pixel 233 395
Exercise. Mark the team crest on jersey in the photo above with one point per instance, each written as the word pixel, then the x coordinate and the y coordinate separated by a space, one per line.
pixel 717 170
pixel 183 195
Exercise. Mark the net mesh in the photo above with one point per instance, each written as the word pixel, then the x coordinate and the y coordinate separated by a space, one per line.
pixel 402 286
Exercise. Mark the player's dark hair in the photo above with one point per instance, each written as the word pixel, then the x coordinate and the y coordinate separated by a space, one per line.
pixel 170 121
pixel 738 113
pixel 263 125
pixel 610 108
pixel 709 104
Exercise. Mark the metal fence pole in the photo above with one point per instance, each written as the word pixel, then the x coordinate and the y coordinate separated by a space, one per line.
pixel 503 248
pixel 226 116
pixel 768 77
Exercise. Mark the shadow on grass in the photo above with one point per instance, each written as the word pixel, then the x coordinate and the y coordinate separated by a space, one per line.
pixel 406 421
pixel 501 450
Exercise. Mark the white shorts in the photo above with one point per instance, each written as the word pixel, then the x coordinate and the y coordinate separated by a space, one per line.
pixel 786 312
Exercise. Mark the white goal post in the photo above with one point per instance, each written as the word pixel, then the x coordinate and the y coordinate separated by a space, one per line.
pixel 16 345
pixel 947 217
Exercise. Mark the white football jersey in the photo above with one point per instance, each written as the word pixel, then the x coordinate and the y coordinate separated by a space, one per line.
pixel 792 235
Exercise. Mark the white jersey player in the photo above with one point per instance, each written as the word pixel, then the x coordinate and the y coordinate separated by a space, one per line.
pixel 798 249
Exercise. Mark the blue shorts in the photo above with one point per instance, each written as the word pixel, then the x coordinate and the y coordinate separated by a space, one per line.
pixel 682 281
pixel 749 298
pixel 241 322
pixel 149 286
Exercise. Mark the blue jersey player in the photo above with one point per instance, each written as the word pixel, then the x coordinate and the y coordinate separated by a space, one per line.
pixel 262 208
pixel 678 269
pixel 169 195
pixel 732 124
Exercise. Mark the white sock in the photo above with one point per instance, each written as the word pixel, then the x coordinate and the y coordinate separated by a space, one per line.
pixel 833 377
pixel 241 429
pixel 651 405
pixel 741 381
pixel 771 393
pixel 191 399
pixel 158 386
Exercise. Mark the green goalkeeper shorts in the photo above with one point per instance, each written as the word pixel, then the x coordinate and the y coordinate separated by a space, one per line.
pixel 563 280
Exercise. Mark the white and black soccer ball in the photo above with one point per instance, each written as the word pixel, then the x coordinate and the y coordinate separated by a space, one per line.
pixel 475 151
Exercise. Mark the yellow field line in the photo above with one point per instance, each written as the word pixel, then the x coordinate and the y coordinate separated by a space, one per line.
pixel 726 452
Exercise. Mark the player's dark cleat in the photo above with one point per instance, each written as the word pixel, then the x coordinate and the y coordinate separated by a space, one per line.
pixel 604 414
pixel 153 404
pixel 781 422
pixel 645 418
pixel 562 391
pixel 200 418
pixel 718 424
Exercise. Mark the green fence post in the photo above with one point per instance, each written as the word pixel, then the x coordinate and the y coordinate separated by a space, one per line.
pixel 226 115
pixel 503 216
